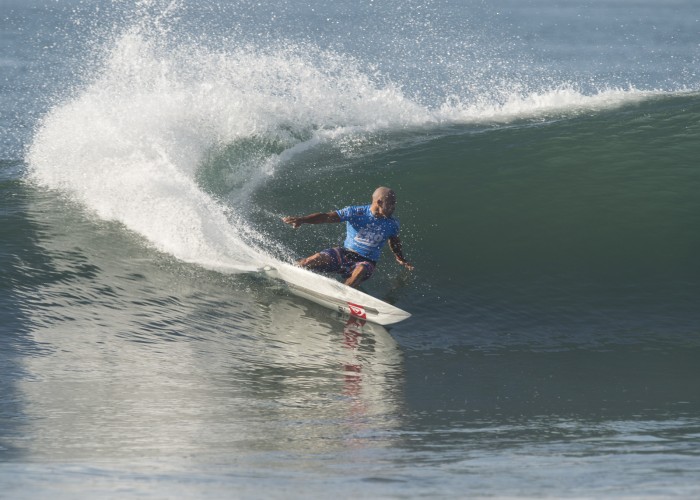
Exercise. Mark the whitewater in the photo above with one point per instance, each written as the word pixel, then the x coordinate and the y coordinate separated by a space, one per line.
pixel 129 145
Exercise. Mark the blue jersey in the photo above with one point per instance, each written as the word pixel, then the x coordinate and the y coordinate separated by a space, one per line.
pixel 367 234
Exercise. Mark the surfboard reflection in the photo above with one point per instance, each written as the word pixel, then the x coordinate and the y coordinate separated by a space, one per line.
pixel 362 363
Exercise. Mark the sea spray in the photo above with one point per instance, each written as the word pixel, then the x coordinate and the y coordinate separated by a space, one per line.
pixel 131 145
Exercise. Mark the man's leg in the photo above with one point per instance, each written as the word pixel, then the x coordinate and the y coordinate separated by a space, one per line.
pixel 361 272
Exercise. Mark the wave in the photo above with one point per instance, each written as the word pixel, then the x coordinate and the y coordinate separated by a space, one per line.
pixel 132 145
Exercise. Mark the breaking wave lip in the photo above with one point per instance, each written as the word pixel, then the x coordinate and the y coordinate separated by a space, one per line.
pixel 563 101
pixel 129 145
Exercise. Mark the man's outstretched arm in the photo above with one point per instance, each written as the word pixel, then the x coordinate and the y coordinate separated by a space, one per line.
pixel 395 245
pixel 317 218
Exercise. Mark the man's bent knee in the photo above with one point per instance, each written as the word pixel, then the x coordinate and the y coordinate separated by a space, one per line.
pixel 361 273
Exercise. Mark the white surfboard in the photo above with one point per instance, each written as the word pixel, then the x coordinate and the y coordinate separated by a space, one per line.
pixel 335 295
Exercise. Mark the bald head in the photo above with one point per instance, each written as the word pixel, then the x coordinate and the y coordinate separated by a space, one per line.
pixel 383 202
pixel 383 193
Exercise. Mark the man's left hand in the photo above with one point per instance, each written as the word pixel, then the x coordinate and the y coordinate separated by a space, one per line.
pixel 405 264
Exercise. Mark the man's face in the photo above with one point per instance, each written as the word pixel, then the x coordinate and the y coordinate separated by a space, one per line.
pixel 385 206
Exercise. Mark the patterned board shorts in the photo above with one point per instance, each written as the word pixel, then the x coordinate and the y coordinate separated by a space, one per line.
pixel 345 261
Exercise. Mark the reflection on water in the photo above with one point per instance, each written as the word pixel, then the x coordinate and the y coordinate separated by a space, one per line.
pixel 143 357
pixel 289 382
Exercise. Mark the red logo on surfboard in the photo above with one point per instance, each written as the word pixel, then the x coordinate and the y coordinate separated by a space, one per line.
pixel 357 311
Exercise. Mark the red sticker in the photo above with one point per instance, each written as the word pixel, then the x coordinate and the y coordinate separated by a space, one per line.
pixel 357 311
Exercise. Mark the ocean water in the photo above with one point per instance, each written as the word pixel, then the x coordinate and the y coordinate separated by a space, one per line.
pixel 545 159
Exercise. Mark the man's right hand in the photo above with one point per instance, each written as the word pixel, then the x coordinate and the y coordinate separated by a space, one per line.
pixel 295 222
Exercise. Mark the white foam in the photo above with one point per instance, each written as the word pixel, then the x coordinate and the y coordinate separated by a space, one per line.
pixel 129 145
pixel 564 100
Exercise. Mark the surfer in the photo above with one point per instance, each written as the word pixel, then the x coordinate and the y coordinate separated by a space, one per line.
pixel 369 227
